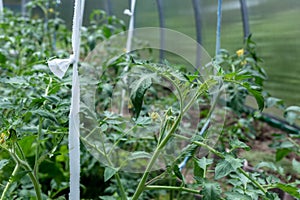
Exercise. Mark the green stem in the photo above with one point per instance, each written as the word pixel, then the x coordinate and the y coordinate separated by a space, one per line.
pixel 203 87
pixel 252 180
pixel 209 148
pixel 122 191
pixel 10 181
pixel 163 187
pixel 26 166
pixel 240 169
pixel 141 185
pixel 36 164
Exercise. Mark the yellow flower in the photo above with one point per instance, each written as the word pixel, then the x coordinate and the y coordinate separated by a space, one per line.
pixel 240 52
pixel 2 138
pixel 244 62
pixel 129 105
pixel 154 116
pixel 51 10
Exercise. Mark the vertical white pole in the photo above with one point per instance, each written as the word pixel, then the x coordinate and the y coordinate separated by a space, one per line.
pixel 1 9
pixel 74 135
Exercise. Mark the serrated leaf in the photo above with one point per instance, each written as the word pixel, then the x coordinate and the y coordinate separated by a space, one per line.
pixel 3 163
pixel 226 166
pixel 109 172
pixel 211 191
pixel 236 196
pixel 138 90
pixel 271 196
pixel 200 166
pixel 292 190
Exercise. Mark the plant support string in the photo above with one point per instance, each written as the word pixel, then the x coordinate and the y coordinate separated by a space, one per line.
pixel 59 68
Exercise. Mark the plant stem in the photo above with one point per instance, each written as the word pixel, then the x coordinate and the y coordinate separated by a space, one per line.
pixel 10 181
pixel 253 181
pixel 36 164
pixel 163 187
pixel 141 185
pixel 209 148
pixel 203 87
pixel 240 169
pixel 33 179
pixel 122 191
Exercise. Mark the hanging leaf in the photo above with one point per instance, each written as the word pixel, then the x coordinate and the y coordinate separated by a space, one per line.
pixel 256 92
pixel 178 173
pixel 226 166
pixel 138 90
pixel 109 172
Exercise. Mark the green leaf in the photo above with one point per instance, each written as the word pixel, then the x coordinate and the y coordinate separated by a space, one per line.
pixel 269 165
pixel 271 196
pixel 44 113
pixel 27 143
pixel 226 166
pixel 236 196
pixel 292 113
pixel 3 163
pixel 211 191
pixel 238 144
pixel 138 90
pixel 200 166
pixel 255 91
pixel 296 165
pixel 107 197
pixel 109 172
pixel 2 58
pixel 292 190
pixel 281 153
pixel 18 176
pixel 178 173
pixel 272 101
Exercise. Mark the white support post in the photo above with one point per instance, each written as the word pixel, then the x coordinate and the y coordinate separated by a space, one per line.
pixel 59 67
pixel 1 9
